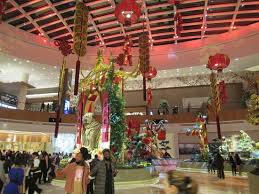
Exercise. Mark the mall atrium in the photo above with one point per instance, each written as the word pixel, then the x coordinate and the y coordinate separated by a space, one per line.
pixel 129 96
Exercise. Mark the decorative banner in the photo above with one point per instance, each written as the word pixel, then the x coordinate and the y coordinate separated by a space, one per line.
pixel 60 95
pixel 223 92
pixel 105 117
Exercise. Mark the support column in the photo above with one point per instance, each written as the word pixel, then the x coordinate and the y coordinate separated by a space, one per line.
pixel 173 144
pixel 22 91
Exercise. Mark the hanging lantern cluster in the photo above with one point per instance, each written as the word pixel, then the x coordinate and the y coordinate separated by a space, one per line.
pixel 179 23
pixel 218 62
pixel 80 37
pixel 127 12
pixel 125 58
pixel 2 9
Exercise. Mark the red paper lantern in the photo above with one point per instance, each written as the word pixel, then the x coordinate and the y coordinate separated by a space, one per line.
pixel 218 62
pixel 127 12
pixel 152 72
pixel 161 135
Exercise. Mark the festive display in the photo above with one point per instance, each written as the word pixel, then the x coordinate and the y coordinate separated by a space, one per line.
pixel 144 143
pixel 2 9
pixel 66 50
pixel 80 37
pixel 125 59
pixel 200 130
pixel 127 12
pixel 253 110
pixel 218 62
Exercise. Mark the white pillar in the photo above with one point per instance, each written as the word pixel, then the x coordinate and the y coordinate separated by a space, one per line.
pixel 21 95
pixel 173 144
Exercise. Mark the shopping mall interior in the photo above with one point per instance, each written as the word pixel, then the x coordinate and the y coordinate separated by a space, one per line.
pixel 144 96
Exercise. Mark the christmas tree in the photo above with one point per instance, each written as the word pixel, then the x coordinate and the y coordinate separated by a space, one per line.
pixel 253 110
pixel 246 144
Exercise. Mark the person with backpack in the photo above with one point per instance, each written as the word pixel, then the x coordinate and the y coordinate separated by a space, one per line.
pixel 16 177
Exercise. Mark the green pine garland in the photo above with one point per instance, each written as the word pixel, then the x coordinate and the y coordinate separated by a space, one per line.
pixel 117 117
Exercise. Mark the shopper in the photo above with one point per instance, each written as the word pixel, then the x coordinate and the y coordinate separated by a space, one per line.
pixel 42 107
pixel 16 177
pixel 104 173
pixel 238 164
pixel 2 173
pixel 77 174
pixel 220 166
pixel 35 174
pixel 233 165
pixel 44 166
pixel 90 187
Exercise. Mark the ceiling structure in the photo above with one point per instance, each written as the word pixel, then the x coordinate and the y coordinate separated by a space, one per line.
pixel 13 69
pixel 53 19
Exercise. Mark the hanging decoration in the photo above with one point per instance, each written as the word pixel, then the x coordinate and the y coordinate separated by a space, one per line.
pixel 80 37
pixel 222 92
pixel 125 58
pixel 2 9
pixel 127 12
pixel 218 62
pixel 179 23
pixel 144 59
pixel 66 50
pixel 152 72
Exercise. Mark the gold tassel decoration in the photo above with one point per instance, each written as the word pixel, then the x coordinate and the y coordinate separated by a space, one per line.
pixel 215 93
pixel 80 37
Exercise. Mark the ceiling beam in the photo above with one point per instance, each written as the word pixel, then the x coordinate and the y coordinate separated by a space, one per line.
pixel 175 26
pixel 96 29
pixel 59 16
pixel 235 15
pixel 147 21
pixel 29 18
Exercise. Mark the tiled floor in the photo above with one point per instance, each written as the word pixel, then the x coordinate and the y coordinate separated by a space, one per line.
pixel 208 184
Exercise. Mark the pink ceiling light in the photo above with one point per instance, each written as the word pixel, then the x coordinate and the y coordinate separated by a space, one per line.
pixel 218 62
pixel 127 12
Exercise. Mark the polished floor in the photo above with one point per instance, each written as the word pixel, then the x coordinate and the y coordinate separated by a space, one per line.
pixel 208 184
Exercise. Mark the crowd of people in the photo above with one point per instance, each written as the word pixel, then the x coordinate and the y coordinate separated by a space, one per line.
pixel 26 172
pixel 217 162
